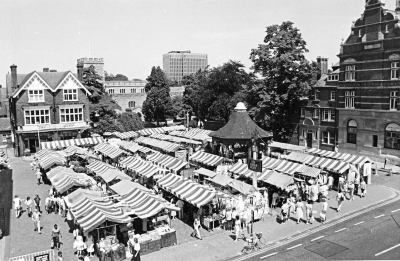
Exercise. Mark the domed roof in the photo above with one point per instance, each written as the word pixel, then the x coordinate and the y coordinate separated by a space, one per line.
pixel 240 106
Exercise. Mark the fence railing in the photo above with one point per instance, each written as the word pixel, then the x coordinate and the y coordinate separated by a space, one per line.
pixel 47 255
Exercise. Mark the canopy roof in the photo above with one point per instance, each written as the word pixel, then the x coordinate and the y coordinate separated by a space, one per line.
pixel 111 174
pixel 125 186
pixel 239 127
pixel 205 172
pixel 222 180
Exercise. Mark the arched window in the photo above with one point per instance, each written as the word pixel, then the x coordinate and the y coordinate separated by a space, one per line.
pixel 131 104
pixel 392 136
pixel 352 132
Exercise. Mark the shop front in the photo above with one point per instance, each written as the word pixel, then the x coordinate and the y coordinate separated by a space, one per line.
pixel 28 138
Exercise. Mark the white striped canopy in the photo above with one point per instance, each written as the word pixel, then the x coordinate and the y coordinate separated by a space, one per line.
pixel 240 169
pixel 206 158
pixel 51 159
pixel 194 133
pixel 141 167
pixel 111 174
pixel 327 164
pixel 290 168
pixel 91 212
pixel 72 142
pixel 171 138
pixel 143 204
pixel 125 135
pixel 160 144
pixel 147 132
pixel 109 150
pixel 167 161
pixel 279 180
pixel 167 181
pixel 99 167
pixel 349 158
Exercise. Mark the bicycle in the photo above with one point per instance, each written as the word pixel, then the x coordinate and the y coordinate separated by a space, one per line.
pixel 254 243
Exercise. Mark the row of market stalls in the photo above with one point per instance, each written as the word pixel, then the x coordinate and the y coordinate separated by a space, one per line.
pixel 61 144
pixel 150 131
pixel 165 146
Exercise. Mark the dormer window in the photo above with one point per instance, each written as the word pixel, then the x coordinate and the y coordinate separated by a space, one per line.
pixel 36 96
pixel 70 95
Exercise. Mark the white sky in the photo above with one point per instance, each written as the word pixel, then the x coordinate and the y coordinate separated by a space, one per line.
pixel 132 35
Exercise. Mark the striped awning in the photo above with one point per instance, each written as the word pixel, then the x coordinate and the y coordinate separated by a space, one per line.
pixel 167 181
pixel 355 160
pixel 167 161
pixel 109 150
pixel 50 160
pixel 91 213
pixel 298 156
pixel 206 158
pixel 350 158
pixel 43 153
pixel 193 193
pixel 99 167
pixel 240 169
pixel 279 180
pixel 111 174
pixel 289 167
pixel 125 135
pixel 65 182
pixel 66 143
pixel 270 163
pixel 193 133
pixel 142 203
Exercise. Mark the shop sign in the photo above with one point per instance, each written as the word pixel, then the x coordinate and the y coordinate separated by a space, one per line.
pixel 43 257
pixel 55 126
pixel 255 165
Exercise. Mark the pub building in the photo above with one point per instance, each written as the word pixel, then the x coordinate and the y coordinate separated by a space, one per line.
pixel 46 106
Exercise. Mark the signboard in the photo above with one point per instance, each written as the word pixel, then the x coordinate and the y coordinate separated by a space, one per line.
pixel 255 165
pixel 42 257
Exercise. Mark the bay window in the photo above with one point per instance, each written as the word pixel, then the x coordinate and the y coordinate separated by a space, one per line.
pixel 37 116
pixel 71 114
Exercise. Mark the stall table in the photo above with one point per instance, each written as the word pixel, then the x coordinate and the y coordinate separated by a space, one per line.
pixel 209 221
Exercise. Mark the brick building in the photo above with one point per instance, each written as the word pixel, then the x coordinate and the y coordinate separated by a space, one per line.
pixel 46 106
pixel 356 104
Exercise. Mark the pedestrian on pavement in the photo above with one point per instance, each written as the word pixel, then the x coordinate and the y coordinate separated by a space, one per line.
pixel 309 213
pixel 292 207
pixel 36 220
pixel 28 203
pixel 37 203
pixel 363 187
pixel 38 176
pixel 351 190
pixel 61 203
pixel 59 257
pixel 229 219
pixel 284 212
pixel 339 197
pixel 341 184
pixel 324 210
pixel 17 206
pixel 237 228
pixel 55 203
pixel 47 204
pixel 356 183
pixel 330 182
pixel 274 197
pixel 248 220
pixel 55 236
pixel 345 190
pixel 299 211
pixel 136 250
pixel 196 226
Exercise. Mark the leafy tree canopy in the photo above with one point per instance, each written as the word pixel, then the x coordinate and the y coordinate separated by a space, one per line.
pixel 130 121
pixel 287 77
pixel 118 77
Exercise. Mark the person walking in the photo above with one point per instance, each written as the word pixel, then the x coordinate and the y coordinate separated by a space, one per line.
pixel 37 202
pixel 17 206
pixel 339 197
pixel 284 212
pixel 38 176
pixel 36 220
pixel 61 203
pixel 292 207
pixel 28 204
pixel 274 197
pixel 363 187
pixel 55 236
pixel 299 211
pixel 196 231
pixel 309 213
pixel 351 190
pixel 136 250
pixel 47 204
pixel 229 219
pixel 324 210
pixel 59 256
pixel 341 184
pixel 356 184
pixel 330 182
pixel 237 228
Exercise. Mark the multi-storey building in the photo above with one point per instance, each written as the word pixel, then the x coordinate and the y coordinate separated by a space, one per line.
pixel 128 94
pixel 98 64
pixel 356 105
pixel 46 106
pixel 177 64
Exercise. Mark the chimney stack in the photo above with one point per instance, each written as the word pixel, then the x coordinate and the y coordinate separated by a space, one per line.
pixel 45 69
pixel 14 79
pixel 79 66
pixel 324 64
pixel 53 70
pixel 397 5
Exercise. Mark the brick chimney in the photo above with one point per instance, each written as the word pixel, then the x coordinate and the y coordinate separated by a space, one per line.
pixel 45 69
pixel 53 70
pixel 14 79
pixel 397 5
pixel 324 64
pixel 79 67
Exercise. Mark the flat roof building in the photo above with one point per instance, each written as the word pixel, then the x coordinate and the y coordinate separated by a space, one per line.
pixel 177 64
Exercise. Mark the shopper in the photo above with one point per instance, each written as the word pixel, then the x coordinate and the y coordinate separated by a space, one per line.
pixel 36 220
pixel 37 202
pixel 237 228
pixel 330 182
pixel 299 211
pixel 229 219
pixel 274 198
pixel 55 236
pixel 59 257
pixel 38 176
pixel 363 187
pixel 17 206
pixel 28 203
pixel 309 212
pixel 339 197
pixel 61 203
pixel 341 184
pixel 196 226
pixel 284 212
pixel 324 210
pixel 47 204
pixel 351 190
pixel 356 184
pixel 136 250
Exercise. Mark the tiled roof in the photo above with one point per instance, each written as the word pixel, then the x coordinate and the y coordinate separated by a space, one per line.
pixel 5 124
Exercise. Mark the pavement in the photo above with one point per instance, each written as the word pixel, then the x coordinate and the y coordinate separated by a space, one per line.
pixel 218 245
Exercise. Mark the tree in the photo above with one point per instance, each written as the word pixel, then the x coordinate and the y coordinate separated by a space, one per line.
pixel 158 105
pixel 287 77
pixel 101 103
pixel 118 77
pixel 130 121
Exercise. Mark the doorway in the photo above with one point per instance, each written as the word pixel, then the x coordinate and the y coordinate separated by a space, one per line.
pixel 309 139
pixel 33 145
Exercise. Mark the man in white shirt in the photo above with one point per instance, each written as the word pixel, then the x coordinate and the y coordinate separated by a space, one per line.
pixel 17 206
pixel 36 220
pixel 330 182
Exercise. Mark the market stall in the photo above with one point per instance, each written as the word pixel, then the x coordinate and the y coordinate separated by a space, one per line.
pixel 60 144
pixel 99 167
pixel 206 159
pixel 166 161
pixel 49 159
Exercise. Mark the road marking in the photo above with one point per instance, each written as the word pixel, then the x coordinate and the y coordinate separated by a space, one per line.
pixel 294 246
pixel 317 238
pixel 269 255
pixel 387 250
pixel 396 210
pixel 340 230
pixel 379 216
pixel 359 223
